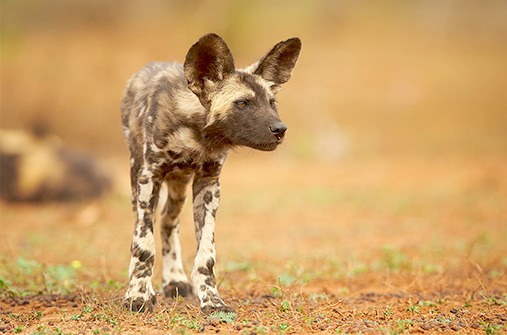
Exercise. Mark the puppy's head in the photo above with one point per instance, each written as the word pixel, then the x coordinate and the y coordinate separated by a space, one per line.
pixel 241 104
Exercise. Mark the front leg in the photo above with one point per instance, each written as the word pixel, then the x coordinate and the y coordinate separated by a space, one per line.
pixel 206 189
pixel 140 295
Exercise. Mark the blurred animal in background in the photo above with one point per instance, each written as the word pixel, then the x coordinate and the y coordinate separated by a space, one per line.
pixel 39 167
pixel 180 121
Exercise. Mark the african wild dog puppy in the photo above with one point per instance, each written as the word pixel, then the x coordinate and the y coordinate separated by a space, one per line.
pixel 180 121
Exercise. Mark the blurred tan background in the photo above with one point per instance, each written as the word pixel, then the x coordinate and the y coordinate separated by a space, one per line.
pixel 374 78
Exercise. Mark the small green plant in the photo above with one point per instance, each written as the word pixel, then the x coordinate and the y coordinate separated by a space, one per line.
pixel 285 306
pixel 76 317
pixel 399 327
pixel 18 329
pixel 427 303
pixel 387 312
pixel 276 292
pixel 228 317
pixel 492 301
pixel 283 327
pixel 308 319
pixel 489 328
pixel 413 308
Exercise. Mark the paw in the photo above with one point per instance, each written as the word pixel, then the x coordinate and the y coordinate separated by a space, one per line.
pixel 139 304
pixel 215 304
pixel 209 309
pixel 178 289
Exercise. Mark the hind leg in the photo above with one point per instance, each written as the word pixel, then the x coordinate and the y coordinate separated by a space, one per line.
pixel 174 281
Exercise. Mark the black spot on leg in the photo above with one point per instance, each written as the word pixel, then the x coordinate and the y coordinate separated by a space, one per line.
pixel 217 193
pixel 147 224
pixel 143 204
pixel 208 270
pixel 166 250
pixel 210 264
pixel 154 197
pixel 214 213
pixel 144 180
pixel 210 281
pixel 141 271
pixel 144 256
pixel 173 255
pixel 202 288
pixel 142 289
pixel 208 196
pixel 204 271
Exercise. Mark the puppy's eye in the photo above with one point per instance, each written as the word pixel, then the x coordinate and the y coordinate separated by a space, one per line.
pixel 241 104
pixel 273 103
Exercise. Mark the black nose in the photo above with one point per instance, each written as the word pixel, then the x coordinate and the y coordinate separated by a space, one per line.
pixel 278 129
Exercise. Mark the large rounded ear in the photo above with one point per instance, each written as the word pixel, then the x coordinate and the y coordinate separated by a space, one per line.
pixel 208 61
pixel 278 64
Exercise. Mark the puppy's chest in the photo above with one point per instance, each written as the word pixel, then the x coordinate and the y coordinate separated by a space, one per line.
pixel 183 148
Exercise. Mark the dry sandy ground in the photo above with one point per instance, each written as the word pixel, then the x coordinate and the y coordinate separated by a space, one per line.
pixel 401 245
